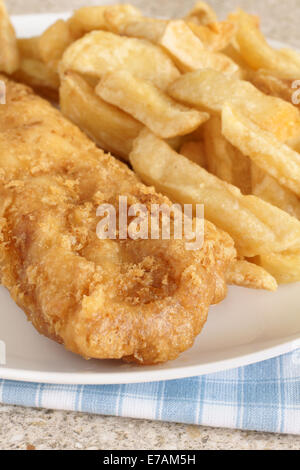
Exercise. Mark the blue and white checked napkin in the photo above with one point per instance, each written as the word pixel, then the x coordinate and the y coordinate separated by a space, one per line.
pixel 261 397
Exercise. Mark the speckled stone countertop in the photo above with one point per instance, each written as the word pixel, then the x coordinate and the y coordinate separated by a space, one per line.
pixel 45 429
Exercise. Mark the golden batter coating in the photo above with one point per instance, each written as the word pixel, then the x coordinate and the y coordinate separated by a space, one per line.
pixel 144 301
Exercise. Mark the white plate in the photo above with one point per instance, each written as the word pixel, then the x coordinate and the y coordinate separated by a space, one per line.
pixel 249 326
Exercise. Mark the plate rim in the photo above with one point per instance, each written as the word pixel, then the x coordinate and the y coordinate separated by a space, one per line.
pixel 276 348
pixel 148 376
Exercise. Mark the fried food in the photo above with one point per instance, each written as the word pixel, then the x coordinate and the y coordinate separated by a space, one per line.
pixel 268 153
pixel 215 36
pixel 112 129
pixel 273 85
pixel 190 54
pixel 151 29
pixel 9 54
pixel 224 160
pixel 256 226
pixel 202 14
pixel 285 267
pixel 149 105
pixel 257 53
pixel 244 274
pixel 101 52
pixel 267 188
pixel 54 41
pixel 117 15
pixel 211 90
pixel 106 18
pixel 42 78
pixel 194 151
pixel 144 301
pixel 29 48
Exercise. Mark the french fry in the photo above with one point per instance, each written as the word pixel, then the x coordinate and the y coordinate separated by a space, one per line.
pixel 202 14
pixel 102 52
pixel 39 76
pixel 294 143
pixel 233 53
pixel 284 267
pixel 189 52
pixel 9 54
pixel 215 36
pixel 49 47
pixel 290 54
pixel 256 226
pixel 224 160
pixel 272 85
pixel 250 275
pixel 182 44
pixel 220 154
pixel 209 90
pixel 29 48
pixel 149 105
pixel 117 15
pixel 194 151
pixel 87 19
pixel 151 29
pixel 105 18
pixel 268 153
pixel 54 41
pixel 268 189
pixel 256 51
pixel 109 127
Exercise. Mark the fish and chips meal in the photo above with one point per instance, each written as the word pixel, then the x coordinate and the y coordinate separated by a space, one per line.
pixel 165 113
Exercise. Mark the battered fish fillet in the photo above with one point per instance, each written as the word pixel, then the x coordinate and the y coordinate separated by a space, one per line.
pixel 143 301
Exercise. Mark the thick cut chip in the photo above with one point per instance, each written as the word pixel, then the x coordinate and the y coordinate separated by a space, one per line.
pixel 54 41
pixel 210 90
pixel 268 153
pixel 9 54
pixel 215 36
pixel 101 52
pixel 290 54
pixel 224 160
pixel 256 226
pixel 29 48
pixel 189 52
pixel 202 14
pixel 194 151
pixel 112 129
pixel 250 275
pixel 233 52
pixel 118 15
pixel 285 267
pixel 273 85
pixel 87 19
pixel 39 76
pixel 294 143
pixel 257 52
pixel 106 18
pixel 149 105
pixel 268 189
pixel 151 29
